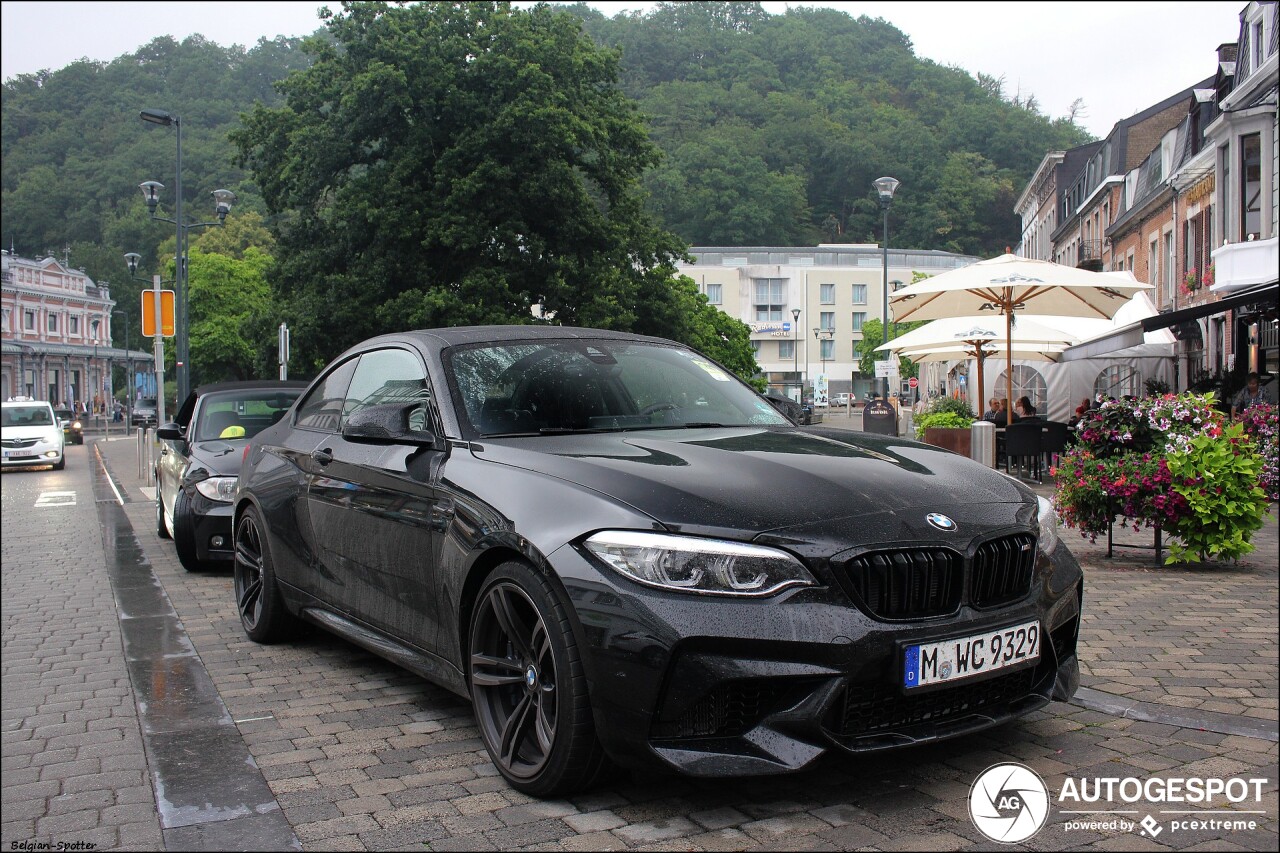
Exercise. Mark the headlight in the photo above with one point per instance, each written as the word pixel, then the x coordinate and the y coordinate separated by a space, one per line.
pixel 707 566
pixel 77 425
pixel 221 489
pixel 1048 519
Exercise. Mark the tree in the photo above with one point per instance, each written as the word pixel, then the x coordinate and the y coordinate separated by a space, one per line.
pixel 232 316
pixel 447 164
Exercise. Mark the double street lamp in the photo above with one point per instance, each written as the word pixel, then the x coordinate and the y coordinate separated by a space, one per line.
pixel 223 199
pixel 885 188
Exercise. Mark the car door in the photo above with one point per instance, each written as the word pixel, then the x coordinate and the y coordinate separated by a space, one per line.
pixel 373 506
pixel 283 477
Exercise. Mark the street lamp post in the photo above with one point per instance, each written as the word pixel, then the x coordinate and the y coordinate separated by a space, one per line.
pixel 795 348
pixel 223 199
pixel 128 359
pixel 886 187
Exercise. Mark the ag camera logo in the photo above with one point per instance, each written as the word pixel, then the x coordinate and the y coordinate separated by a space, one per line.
pixel 1009 803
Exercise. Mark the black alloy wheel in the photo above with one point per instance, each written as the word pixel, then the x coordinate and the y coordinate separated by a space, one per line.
pixel 262 610
pixel 528 687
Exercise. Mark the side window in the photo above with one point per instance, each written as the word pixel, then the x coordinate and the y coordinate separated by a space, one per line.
pixel 390 376
pixel 322 409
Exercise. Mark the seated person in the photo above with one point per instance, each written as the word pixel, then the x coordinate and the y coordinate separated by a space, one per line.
pixel 997 414
pixel 1024 409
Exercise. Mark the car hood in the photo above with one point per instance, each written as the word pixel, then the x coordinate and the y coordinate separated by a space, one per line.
pixel 28 431
pixel 808 484
pixel 221 457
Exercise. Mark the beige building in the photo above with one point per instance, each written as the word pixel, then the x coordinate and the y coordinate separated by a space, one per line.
pixel 806 306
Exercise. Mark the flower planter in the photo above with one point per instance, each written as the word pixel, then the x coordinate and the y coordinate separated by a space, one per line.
pixel 955 440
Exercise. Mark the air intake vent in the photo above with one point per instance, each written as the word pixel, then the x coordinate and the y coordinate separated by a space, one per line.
pixel 908 584
pixel 1002 570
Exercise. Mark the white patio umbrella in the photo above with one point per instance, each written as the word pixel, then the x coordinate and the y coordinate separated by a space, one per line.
pixel 979 338
pixel 1008 285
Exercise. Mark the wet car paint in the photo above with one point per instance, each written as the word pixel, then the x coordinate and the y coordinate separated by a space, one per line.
pixel 390 547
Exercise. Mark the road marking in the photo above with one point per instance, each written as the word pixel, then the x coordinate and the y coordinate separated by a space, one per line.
pixel 107 475
pixel 56 499
pixel 149 491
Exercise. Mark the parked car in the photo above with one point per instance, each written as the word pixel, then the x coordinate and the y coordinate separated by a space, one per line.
pixel 144 412
pixel 199 461
pixel 842 399
pixel 72 426
pixel 30 434
pixel 538 519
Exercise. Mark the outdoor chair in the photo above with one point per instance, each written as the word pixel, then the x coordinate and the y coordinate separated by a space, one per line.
pixel 1053 441
pixel 1022 442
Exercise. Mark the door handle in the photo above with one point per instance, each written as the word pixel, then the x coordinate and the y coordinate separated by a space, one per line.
pixel 322 456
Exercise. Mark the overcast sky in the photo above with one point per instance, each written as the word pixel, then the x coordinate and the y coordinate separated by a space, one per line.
pixel 1119 57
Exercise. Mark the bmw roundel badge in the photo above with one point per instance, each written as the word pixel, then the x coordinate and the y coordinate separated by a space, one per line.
pixel 940 521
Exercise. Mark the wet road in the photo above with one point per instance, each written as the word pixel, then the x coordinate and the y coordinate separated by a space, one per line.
pixel 358 754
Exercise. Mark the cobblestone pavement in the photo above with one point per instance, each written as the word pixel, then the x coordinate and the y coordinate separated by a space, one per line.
pixel 362 755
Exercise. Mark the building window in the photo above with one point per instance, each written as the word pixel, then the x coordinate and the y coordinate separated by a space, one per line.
pixel 1251 186
pixel 1224 167
pixel 1259 46
pixel 1153 258
pixel 770 294
pixel 827 294
pixel 786 349
pixel 827 320
pixel 859 294
pixel 859 317
pixel 29 320
pixel 4 320
pixel 755 347
pixel 73 325
pixel 1027 382
pixel 828 350
pixel 714 294
pixel 52 322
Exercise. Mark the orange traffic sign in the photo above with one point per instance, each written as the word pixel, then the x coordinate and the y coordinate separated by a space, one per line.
pixel 149 313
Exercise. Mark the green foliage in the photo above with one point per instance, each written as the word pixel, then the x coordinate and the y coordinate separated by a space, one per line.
pixel 445 165
pixel 231 316
pixel 1165 461
pixel 953 406
pixel 1218 478
pixel 872 337
pixel 942 420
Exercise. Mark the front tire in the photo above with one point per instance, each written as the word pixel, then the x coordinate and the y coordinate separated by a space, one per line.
pixel 162 529
pixel 184 534
pixel 262 609
pixel 528 687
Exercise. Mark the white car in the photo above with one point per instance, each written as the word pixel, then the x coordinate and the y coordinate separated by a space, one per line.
pixel 842 400
pixel 30 434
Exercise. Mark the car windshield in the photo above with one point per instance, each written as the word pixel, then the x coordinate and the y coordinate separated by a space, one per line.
pixel 27 416
pixel 559 386
pixel 65 414
pixel 242 414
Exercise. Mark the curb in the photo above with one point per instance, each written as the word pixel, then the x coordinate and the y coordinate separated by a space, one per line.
pixel 1151 712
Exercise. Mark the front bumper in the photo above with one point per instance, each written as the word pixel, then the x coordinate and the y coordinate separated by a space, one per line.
pixel 40 453
pixel 721 686
pixel 211 527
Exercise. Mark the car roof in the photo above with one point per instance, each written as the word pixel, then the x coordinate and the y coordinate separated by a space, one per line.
pixel 440 339
pixel 268 384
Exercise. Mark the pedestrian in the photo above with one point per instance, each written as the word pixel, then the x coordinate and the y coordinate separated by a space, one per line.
pixel 997 414
pixel 1252 394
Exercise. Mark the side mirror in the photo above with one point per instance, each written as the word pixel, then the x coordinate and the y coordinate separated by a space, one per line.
pixel 169 432
pixel 387 423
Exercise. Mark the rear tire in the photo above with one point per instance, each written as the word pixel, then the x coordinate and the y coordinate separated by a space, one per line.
pixel 263 613
pixel 184 534
pixel 528 686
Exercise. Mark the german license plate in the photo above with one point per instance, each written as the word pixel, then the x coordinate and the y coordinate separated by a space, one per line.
pixel 968 657
pixel 19 454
